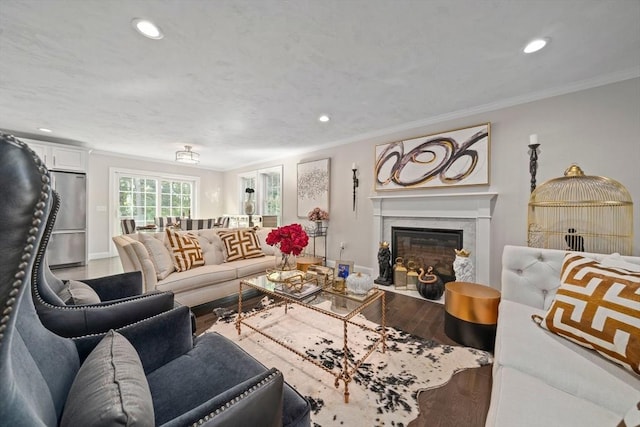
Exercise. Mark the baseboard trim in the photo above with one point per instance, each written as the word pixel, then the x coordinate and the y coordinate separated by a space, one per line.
pixel 99 255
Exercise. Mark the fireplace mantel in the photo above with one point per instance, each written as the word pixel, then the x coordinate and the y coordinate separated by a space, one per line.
pixel 475 207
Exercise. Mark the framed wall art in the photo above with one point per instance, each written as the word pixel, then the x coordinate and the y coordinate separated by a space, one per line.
pixel 453 158
pixel 313 186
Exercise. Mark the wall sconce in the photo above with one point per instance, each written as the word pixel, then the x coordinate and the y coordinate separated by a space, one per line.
pixel 356 182
pixel 533 159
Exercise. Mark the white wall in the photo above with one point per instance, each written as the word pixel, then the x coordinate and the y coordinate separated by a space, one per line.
pixel 100 245
pixel 599 129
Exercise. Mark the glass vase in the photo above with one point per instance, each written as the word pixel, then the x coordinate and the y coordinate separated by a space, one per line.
pixel 286 262
pixel 249 207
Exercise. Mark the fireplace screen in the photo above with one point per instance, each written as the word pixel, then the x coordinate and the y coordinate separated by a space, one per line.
pixel 427 247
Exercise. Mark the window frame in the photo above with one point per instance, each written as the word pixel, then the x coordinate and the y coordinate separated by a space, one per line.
pixel 259 178
pixel 114 190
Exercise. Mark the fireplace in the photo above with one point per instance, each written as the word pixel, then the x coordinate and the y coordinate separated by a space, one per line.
pixel 469 212
pixel 427 247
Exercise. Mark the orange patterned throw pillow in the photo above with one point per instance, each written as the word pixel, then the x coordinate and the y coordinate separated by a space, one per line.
pixel 241 244
pixel 185 250
pixel 598 307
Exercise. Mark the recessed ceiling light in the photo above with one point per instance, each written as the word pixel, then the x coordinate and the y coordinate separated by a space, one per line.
pixel 45 130
pixel 324 118
pixel 147 28
pixel 535 45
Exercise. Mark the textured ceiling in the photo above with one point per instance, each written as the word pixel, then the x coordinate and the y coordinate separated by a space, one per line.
pixel 244 81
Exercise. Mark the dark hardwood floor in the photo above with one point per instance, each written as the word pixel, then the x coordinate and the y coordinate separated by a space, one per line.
pixel 463 402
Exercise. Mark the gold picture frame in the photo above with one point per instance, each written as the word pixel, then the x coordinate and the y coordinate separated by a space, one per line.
pixel 343 269
pixel 453 158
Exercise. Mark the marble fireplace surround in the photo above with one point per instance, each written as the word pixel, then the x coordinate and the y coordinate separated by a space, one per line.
pixel 470 212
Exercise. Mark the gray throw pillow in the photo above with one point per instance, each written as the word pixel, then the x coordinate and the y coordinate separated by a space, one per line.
pixel 78 293
pixel 159 254
pixel 110 388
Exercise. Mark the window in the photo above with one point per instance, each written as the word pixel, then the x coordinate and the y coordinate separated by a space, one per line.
pixel 137 199
pixel 267 184
pixel 271 187
pixel 144 196
pixel 247 181
pixel 175 198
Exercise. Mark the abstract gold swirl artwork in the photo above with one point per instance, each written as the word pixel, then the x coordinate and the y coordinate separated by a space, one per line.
pixel 457 157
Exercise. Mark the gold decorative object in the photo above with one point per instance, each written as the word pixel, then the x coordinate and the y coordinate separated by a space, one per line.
pixel 291 280
pixel 463 253
pixel 338 285
pixel 322 275
pixel 581 213
pixel 400 274
pixel 412 275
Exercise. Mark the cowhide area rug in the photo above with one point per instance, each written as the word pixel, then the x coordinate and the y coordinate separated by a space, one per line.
pixel 385 389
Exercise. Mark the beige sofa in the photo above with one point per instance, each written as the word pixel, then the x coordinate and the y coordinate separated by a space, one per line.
pixel 540 378
pixel 216 279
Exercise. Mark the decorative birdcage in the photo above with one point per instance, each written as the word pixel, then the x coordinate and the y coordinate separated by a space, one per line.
pixel 581 213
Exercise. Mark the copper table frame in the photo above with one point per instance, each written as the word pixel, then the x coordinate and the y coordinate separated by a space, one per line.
pixel 345 374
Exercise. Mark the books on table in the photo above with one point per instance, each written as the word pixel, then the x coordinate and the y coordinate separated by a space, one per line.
pixel 306 290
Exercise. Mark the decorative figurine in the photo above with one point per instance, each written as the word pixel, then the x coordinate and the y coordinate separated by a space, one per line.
pixel 463 267
pixel 359 283
pixel 430 285
pixel 575 242
pixel 384 265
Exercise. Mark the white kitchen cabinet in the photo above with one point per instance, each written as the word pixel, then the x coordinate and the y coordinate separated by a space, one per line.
pixel 59 157
pixel 69 159
pixel 40 149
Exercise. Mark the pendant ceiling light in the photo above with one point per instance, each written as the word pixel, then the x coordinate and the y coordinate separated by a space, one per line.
pixel 187 156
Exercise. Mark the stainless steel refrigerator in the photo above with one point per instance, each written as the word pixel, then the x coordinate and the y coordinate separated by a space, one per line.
pixel 68 245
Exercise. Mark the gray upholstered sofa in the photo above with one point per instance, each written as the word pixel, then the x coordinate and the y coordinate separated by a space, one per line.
pixel 216 279
pixel 540 378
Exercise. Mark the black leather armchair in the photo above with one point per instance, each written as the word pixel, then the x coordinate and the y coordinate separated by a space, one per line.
pixel 207 380
pixel 121 299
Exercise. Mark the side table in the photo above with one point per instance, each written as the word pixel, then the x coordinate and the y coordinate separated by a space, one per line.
pixel 317 233
pixel 471 314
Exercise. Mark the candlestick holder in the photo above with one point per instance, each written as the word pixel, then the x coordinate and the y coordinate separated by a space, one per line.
pixel 533 164
pixel 356 183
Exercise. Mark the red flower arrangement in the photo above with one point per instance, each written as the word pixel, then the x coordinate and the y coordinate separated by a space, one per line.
pixel 291 239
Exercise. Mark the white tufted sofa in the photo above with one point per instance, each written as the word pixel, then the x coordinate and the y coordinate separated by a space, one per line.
pixel 539 378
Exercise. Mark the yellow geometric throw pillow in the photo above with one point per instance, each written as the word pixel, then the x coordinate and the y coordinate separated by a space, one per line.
pixel 598 307
pixel 185 250
pixel 241 244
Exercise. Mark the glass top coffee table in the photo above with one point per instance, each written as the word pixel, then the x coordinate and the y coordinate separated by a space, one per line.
pixel 344 309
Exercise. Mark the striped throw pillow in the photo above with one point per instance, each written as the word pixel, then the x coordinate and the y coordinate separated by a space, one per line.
pixel 598 307
pixel 241 244
pixel 185 250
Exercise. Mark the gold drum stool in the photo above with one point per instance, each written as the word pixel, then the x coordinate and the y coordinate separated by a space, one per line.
pixel 471 314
